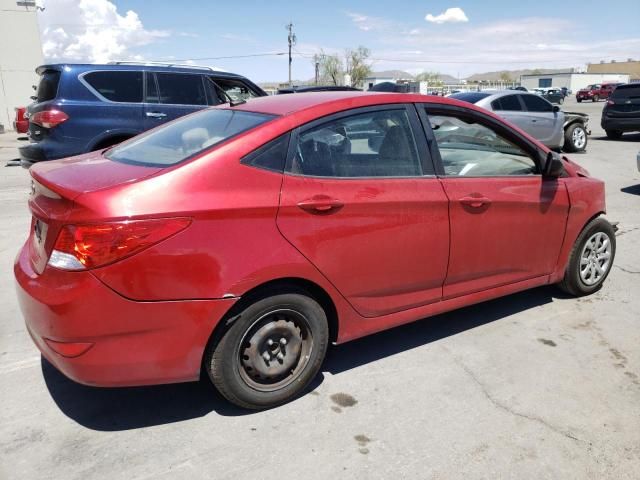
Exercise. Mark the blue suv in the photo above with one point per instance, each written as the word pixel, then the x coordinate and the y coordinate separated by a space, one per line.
pixel 80 108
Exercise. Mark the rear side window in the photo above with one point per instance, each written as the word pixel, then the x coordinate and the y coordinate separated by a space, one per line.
pixel 627 92
pixel 182 139
pixel 373 144
pixel 48 85
pixel 181 89
pixel 271 156
pixel 536 104
pixel 117 86
pixel 508 103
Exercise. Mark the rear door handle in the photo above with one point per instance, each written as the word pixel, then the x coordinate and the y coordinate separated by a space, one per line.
pixel 156 114
pixel 321 204
pixel 475 202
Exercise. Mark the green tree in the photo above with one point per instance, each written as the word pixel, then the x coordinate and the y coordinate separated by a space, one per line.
pixel 330 68
pixel 357 66
pixel 432 78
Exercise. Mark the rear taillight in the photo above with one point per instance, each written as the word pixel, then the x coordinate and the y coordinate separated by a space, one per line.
pixel 49 118
pixel 81 247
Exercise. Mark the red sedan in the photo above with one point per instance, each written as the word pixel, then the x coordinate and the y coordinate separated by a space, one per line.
pixel 242 239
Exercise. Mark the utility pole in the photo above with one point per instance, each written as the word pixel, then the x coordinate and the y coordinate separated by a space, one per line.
pixel 317 70
pixel 292 41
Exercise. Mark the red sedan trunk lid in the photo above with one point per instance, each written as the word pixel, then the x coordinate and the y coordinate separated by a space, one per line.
pixel 87 173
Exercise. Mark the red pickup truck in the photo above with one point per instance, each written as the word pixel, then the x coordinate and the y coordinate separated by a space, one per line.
pixel 595 92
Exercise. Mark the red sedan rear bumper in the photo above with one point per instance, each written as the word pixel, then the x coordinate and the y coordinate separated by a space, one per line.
pixel 133 343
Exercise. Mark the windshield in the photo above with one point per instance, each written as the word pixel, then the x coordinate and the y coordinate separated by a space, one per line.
pixel 180 140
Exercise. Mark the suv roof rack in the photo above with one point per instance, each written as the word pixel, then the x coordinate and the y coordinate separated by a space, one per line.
pixel 164 64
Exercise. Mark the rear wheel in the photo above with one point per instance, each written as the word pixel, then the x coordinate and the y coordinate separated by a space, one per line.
pixel 591 259
pixel 575 138
pixel 271 352
pixel 613 134
pixel 579 100
pixel 595 98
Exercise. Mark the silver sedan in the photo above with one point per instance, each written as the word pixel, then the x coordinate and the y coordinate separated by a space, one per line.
pixel 531 113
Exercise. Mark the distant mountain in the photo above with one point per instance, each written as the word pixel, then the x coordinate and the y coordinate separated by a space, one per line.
pixel 396 74
pixel 515 74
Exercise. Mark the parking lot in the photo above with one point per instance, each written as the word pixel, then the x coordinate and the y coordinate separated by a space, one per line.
pixel 535 385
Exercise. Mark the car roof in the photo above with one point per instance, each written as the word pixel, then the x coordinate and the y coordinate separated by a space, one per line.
pixel 82 67
pixel 335 101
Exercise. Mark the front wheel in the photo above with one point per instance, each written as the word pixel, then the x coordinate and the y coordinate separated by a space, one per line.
pixel 595 98
pixel 271 352
pixel 575 138
pixel 591 259
pixel 579 100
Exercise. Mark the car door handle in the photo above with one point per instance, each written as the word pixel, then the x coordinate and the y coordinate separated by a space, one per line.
pixel 156 114
pixel 321 204
pixel 475 202
pixel 533 120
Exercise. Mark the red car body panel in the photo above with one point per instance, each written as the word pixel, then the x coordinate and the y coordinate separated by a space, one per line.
pixel 400 249
pixel 21 124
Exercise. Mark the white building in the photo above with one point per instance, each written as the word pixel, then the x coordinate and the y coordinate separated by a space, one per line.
pixel 572 81
pixel 20 54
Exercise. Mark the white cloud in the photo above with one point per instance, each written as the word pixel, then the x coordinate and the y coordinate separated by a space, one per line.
pixel 367 23
pixel 92 31
pixel 450 15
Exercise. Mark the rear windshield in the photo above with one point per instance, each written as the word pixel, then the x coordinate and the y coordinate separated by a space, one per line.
pixel 470 97
pixel 186 137
pixel 626 91
pixel 48 86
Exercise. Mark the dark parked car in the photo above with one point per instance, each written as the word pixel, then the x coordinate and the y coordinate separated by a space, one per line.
pixel 622 111
pixel 79 108
pixel 239 241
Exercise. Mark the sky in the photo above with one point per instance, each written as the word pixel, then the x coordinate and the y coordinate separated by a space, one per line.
pixel 458 38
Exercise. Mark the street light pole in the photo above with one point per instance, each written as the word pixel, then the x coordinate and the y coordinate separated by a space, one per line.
pixel 292 41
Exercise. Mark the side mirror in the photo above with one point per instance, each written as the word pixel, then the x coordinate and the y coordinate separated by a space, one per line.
pixel 556 109
pixel 553 167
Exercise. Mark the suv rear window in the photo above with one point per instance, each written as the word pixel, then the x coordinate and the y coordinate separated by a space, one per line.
pixel 182 139
pixel 48 86
pixel 117 86
pixel 626 91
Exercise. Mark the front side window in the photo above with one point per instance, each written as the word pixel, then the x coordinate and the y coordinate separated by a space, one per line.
pixel 181 89
pixel 117 86
pixel 237 90
pixel 372 144
pixel 536 104
pixel 179 140
pixel 468 148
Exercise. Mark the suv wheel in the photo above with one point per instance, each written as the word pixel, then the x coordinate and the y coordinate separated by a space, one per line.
pixel 591 258
pixel 271 352
pixel 595 98
pixel 575 138
pixel 613 134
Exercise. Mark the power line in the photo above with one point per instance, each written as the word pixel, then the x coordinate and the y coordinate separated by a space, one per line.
pixel 269 54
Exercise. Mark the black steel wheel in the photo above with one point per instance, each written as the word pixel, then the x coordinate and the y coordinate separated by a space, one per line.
pixel 271 352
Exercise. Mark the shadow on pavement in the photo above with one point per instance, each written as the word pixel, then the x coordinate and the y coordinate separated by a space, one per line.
pixel 626 137
pixel 632 189
pixel 114 409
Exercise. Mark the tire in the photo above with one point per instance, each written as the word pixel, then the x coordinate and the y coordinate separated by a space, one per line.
pixel 613 134
pixel 590 279
pixel 595 98
pixel 561 101
pixel 579 100
pixel 575 138
pixel 271 352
